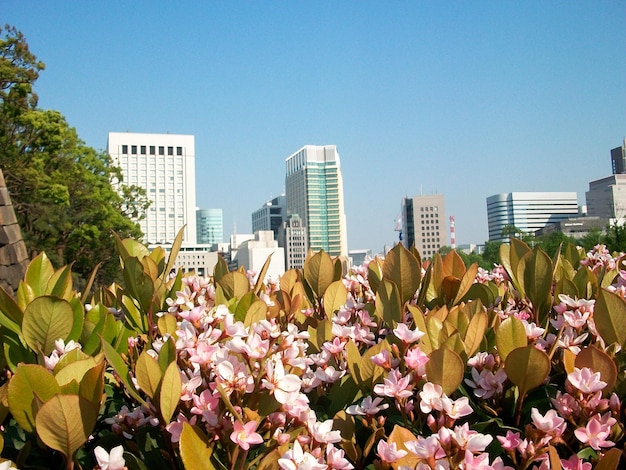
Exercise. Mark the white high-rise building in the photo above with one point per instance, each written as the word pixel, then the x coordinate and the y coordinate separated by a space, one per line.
pixel 314 191
pixel 528 211
pixel 163 165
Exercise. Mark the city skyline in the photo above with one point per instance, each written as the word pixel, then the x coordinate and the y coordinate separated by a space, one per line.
pixel 461 99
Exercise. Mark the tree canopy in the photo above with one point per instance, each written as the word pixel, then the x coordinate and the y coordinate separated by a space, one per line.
pixel 61 188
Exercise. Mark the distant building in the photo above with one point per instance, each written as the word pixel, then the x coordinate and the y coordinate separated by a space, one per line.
pixel 575 227
pixel 528 211
pixel 314 191
pixel 618 159
pixel 424 223
pixel 252 254
pixel 293 239
pixel 358 257
pixel 607 197
pixel 210 226
pixel 164 166
pixel 270 216
pixel 198 259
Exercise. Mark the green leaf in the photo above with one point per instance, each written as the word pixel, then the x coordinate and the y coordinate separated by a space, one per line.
pixel 148 374
pixel 257 311
pixel 47 319
pixel 65 422
pixel 403 269
pixel 138 284
pixel 243 305
pixel 75 371
pixel 375 273
pixel 169 392
pixel 527 367
pixel 15 351
pixel 388 303
pixel 30 384
pixel 536 269
pixel 319 272
pixel 445 368
pixel 9 310
pixel 195 450
pixel 38 274
pixel 510 335
pixel 120 367
pixel 234 285
pixel 171 260
pixel 60 284
pixel 92 384
pixel 475 332
pixel 335 297
pixel 610 318
pixel 261 277
pixel 467 281
pixel 220 269
pixel 167 324
pixel 167 354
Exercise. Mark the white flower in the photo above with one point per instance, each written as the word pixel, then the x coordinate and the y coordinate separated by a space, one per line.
pixel 110 461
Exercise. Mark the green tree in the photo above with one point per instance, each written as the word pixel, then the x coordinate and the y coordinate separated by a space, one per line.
pixel 550 243
pixel 61 189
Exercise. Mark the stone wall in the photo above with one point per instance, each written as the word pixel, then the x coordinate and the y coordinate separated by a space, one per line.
pixel 13 254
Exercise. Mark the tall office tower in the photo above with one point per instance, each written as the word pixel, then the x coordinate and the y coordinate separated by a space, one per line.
pixel 293 239
pixel 528 212
pixel 607 197
pixel 618 159
pixel 424 223
pixel 209 226
pixel 270 216
pixel 162 164
pixel 314 191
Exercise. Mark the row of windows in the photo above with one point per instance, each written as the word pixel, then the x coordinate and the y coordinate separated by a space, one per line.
pixel 143 150
pixel 430 208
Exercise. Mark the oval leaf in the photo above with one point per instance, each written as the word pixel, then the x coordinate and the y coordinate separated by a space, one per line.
pixel 319 272
pixel 403 269
pixel 598 361
pixel 445 368
pixel 510 335
pixel 527 368
pixel 335 297
pixel 148 374
pixel 47 319
pixel 30 379
pixel 65 422
pixel 169 392
pixel 610 318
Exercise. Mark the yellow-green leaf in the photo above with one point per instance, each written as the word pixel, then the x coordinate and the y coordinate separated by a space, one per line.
pixel 475 332
pixel 169 392
pixel 403 269
pixel 598 361
pixel 30 380
pixel 610 318
pixel 234 285
pixel 536 269
pixel 510 335
pixel 148 374
pixel 195 450
pixel 65 422
pixel 38 274
pixel 167 324
pixel 388 303
pixel 445 368
pixel 47 319
pixel 400 436
pixel 257 312
pixel 74 371
pixel 527 367
pixel 467 281
pixel 319 272
pixel 335 297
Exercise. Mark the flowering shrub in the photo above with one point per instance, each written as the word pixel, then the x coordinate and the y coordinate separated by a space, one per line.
pixel 400 363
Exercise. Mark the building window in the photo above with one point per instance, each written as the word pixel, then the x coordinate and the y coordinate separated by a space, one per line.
pixel 161 150
pixel 125 149
pixel 179 150
pixel 170 150
pixel 143 149
pixel 133 149
pixel 152 150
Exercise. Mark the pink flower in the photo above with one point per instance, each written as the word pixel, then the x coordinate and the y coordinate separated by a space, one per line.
pixel 431 397
pixel 426 447
pixel 407 336
pixel 456 409
pixel 575 463
pixel 368 406
pixel 551 424
pixel 510 441
pixel 485 383
pixel 416 360
pixel 389 453
pixel 586 380
pixel 244 434
pixel 297 459
pixel 597 431
pixel 336 347
pixel 395 386
pixel 113 460
pixel 335 459
pixel 175 428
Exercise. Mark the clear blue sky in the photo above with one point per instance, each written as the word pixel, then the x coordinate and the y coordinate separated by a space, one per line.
pixel 465 99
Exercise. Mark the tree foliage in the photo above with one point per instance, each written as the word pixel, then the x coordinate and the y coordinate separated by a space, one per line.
pixel 60 188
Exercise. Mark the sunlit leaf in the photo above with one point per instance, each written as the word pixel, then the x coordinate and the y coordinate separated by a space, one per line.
pixel 148 374
pixel 510 335
pixel 319 272
pixel 47 319
pixel 403 269
pixel 257 312
pixel 65 422
pixel 38 273
pixel 536 269
pixel 527 367
pixel 399 436
pixel 75 371
pixel 610 318
pixel 467 281
pixel 169 392
pixel 388 303
pixel 598 361
pixel 445 368
pixel 475 332
pixel 335 297
pixel 234 284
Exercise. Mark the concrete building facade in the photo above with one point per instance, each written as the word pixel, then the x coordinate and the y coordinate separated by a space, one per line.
pixel 314 191
pixel 252 254
pixel 424 223
pixel 607 197
pixel 293 239
pixel 528 211
pixel 618 159
pixel 164 166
